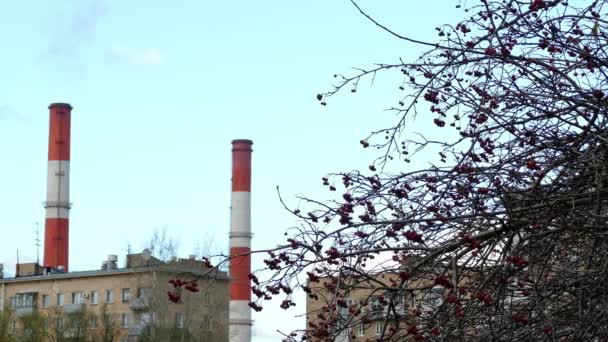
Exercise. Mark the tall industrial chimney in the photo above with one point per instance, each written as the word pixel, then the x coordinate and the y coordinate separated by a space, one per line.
pixel 240 242
pixel 56 230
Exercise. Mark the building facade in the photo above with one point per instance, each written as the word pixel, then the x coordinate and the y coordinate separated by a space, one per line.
pixel 130 303
pixel 344 308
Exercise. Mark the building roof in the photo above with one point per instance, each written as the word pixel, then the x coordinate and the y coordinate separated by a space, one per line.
pixel 175 267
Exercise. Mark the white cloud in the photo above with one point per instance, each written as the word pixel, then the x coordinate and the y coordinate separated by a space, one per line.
pixel 134 56
pixel 77 29
pixel 9 113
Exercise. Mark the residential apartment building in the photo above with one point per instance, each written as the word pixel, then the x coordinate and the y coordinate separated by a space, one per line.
pixel 134 299
pixel 348 307
pixel 373 304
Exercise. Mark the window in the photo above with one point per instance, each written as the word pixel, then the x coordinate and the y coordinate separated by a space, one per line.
pixel 93 322
pixel 12 327
pixel 361 331
pixel 59 324
pixel 345 331
pixel 110 296
pixel 379 328
pixel 345 318
pixel 60 299
pixel 143 292
pixel 145 319
pixel 126 295
pixel 124 339
pixel 94 297
pixel 124 319
pixel 77 297
pixel 179 320
pixel 433 298
pixel 45 301
pixel 376 306
pixel 206 324
pixel 24 300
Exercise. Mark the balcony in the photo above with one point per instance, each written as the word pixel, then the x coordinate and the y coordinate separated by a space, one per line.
pixel 24 304
pixel 136 329
pixel 380 312
pixel 144 322
pixel 139 304
pixel 25 310
pixel 73 309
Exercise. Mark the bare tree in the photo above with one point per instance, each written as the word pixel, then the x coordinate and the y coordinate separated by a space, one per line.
pixel 162 245
pixel 6 316
pixel 32 328
pixel 105 326
pixel 195 314
pixel 507 223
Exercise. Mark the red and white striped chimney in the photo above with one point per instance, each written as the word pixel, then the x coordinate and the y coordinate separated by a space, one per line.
pixel 56 229
pixel 240 243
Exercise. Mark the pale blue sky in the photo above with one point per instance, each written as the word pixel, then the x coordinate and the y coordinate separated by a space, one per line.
pixel 159 90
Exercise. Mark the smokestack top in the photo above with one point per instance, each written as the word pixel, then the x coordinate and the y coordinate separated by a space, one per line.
pixel 242 141
pixel 242 145
pixel 60 105
pixel 241 165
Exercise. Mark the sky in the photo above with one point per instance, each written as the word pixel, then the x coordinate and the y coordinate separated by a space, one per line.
pixel 160 89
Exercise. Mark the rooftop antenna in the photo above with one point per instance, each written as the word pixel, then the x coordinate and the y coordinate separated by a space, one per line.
pixel 37 243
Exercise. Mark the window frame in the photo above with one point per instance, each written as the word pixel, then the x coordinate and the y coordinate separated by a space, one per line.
pixel 206 324
pixel 124 320
pixel 361 329
pixel 379 327
pixel 110 296
pixel 179 320
pixel 77 297
pixel 126 294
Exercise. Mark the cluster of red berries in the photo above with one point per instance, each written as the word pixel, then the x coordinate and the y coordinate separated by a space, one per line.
pixel 522 319
pixel 444 281
pixel 532 165
pixel 255 307
pixel 471 241
pixel 176 282
pixel 413 236
pixel 286 304
pixel 453 299
pixel 484 297
pixel 518 261
pixel 536 5
pixel 173 296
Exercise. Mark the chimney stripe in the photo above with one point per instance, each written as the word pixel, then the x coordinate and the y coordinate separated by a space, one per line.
pixel 241 165
pixel 56 251
pixel 240 267
pixel 56 231
pixel 240 243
